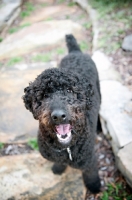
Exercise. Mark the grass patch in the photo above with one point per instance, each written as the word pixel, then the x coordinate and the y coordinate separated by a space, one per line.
pixel 117 192
pixel 1 145
pixel 71 4
pixel 103 41
pixel 114 17
pixel 82 16
pixel 42 58
pixel 1 64
pixel 33 143
pixel 109 4
pixel 44 4
pixel 67 17
pixel 49 19
pixel 29 8
pixel 1 39
pixel 14 61
pixel 87 25
pixel 61 1
pixel 83 46
pixel 25 25
pixel 15 29
pixel 60 51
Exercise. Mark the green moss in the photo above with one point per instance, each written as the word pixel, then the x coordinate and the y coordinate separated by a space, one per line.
pixel 14 61
pixel 15 29
pixel 84 46
pixel 49 18
pixel 1 145
pixel 87 25
pixel 33 143
pixel 29 8
pixel 116 191
pixel 1 39
pixel 42 58
pixel 60 51
pixel 71 4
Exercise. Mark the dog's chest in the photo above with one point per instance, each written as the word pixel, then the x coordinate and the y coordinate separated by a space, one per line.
pixel 67 155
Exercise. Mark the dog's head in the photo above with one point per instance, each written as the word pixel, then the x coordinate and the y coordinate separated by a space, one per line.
pixel 59 100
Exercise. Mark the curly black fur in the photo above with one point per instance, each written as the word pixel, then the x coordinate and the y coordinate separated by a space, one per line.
pixel 73 88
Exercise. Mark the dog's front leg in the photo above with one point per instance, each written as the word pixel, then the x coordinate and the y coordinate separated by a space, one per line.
pixel 91 178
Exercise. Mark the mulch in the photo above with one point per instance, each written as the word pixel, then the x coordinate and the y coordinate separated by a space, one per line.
pixel 108 171
pixel 122 61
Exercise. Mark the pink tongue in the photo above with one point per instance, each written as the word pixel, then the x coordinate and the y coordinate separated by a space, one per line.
pixel 63 129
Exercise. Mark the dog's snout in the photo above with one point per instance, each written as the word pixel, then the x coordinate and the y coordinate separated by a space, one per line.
pixel 58 116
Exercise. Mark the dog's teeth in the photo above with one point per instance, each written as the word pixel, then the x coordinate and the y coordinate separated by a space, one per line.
pixel 64 138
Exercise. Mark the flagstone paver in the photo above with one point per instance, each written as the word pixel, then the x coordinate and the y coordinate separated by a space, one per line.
pixel 7 11
pixel 17 124
pixel 42 1
pixel 115 97
pixel 124 162
pixel 42 34
pixel 30 177
pixel 48 13
pixel 105 68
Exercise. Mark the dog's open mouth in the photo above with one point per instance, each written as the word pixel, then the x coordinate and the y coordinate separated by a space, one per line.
pixel 63 132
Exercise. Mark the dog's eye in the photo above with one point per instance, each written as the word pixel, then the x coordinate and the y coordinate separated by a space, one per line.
pixel 69 90
pixel 45 95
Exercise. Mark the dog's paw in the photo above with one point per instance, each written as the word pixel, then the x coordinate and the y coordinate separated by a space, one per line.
pixel 94 187
pixel 58 169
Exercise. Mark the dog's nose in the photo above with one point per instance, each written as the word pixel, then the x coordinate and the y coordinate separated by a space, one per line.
pixel 58 116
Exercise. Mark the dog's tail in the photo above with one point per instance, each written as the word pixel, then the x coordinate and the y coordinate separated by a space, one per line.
pixel 72 43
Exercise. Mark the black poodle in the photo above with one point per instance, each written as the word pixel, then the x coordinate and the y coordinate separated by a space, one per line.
pixel 66 101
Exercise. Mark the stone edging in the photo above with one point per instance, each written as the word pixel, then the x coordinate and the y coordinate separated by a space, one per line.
pixel 115 118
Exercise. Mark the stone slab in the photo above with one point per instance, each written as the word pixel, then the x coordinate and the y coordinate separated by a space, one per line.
pixel 29 176
pixel 127 43
pixel 7 10
pixel 124 162
pixel 48 12
pixel 42 1
pixel 93 16
pixel 105 69
pixel 115 97
pixel 16 123
pixel 116 117
pixel 42 34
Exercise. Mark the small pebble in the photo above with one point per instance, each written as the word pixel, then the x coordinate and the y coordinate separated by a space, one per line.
pixel 102 183
pixel 107 160
pixel 8 149
pixel 101 173
pixel 110 168
pixel 99 138
pixel 101 156
pixel 103 168
pixel 111 179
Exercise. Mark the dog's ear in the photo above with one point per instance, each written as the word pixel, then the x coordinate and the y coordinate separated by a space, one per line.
pixel 89 94
pixel 32 100
pixel 27 98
